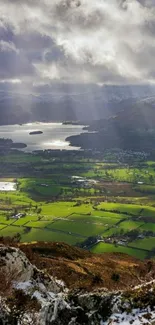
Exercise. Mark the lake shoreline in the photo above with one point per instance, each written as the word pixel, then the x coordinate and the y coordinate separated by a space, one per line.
pixel 84 123
pixel 51 136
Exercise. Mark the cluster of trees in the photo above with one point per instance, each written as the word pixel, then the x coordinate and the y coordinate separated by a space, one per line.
pixel 90 241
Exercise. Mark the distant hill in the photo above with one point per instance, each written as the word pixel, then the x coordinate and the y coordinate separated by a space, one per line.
pixel 130 129
pixel 82 103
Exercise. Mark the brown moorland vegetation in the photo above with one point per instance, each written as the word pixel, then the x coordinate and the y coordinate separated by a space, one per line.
pixel 80 269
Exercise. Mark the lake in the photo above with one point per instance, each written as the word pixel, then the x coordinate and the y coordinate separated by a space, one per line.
pixel 53 137
pixel 7 186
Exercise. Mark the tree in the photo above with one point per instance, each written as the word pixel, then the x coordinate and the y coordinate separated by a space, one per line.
pixel 15 211
pixel 27 230
pixel 151 178
pixel 39 210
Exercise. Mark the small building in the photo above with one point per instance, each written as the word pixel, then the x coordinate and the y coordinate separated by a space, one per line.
pixel 18 216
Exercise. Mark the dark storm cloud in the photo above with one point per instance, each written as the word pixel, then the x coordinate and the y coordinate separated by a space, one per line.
pixel 13 65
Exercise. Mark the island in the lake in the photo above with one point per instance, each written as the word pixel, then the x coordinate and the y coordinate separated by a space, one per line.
pixel 35 132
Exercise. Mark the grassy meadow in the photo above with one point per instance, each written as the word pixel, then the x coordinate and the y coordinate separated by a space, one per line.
pixel 110 202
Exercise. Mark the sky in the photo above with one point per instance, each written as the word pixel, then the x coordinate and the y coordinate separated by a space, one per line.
pixel 48 42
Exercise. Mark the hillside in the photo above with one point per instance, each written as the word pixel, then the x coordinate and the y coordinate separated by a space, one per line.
pixel 30 295
pixel 129 129
pixel 76 103
pixel 80 269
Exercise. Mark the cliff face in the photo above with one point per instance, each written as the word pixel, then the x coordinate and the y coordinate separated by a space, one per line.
pixel 29 295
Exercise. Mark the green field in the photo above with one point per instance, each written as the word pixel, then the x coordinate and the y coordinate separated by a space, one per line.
pixel 80 228
pixel 124 227
pixel 146 243
pixel 40 187
pixel 25 220
pixel 109 248
pixel 58 208
pixel 82 220
pixel 11 231
pixel 2 226
pixel 130 225
pixel 127 208
pixel 148 227
pixel 109 218
pixel 131 175
pixel 38 224
pixel 47 236
pixel 131 209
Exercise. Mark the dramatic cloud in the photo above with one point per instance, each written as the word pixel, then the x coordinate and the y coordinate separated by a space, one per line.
pixel 77 41
pixel 7 47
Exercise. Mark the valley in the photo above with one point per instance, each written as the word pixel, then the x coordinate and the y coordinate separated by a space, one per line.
pixel 99 201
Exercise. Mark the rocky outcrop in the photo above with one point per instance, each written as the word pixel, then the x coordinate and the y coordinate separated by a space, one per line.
pixel 59 306
pixel 14 263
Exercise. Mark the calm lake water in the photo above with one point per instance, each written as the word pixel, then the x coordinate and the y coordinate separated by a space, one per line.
pixel 7 186
pixel 53 137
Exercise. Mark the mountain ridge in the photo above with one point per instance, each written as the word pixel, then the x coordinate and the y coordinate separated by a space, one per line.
pixel 63 104
pixel 128 129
